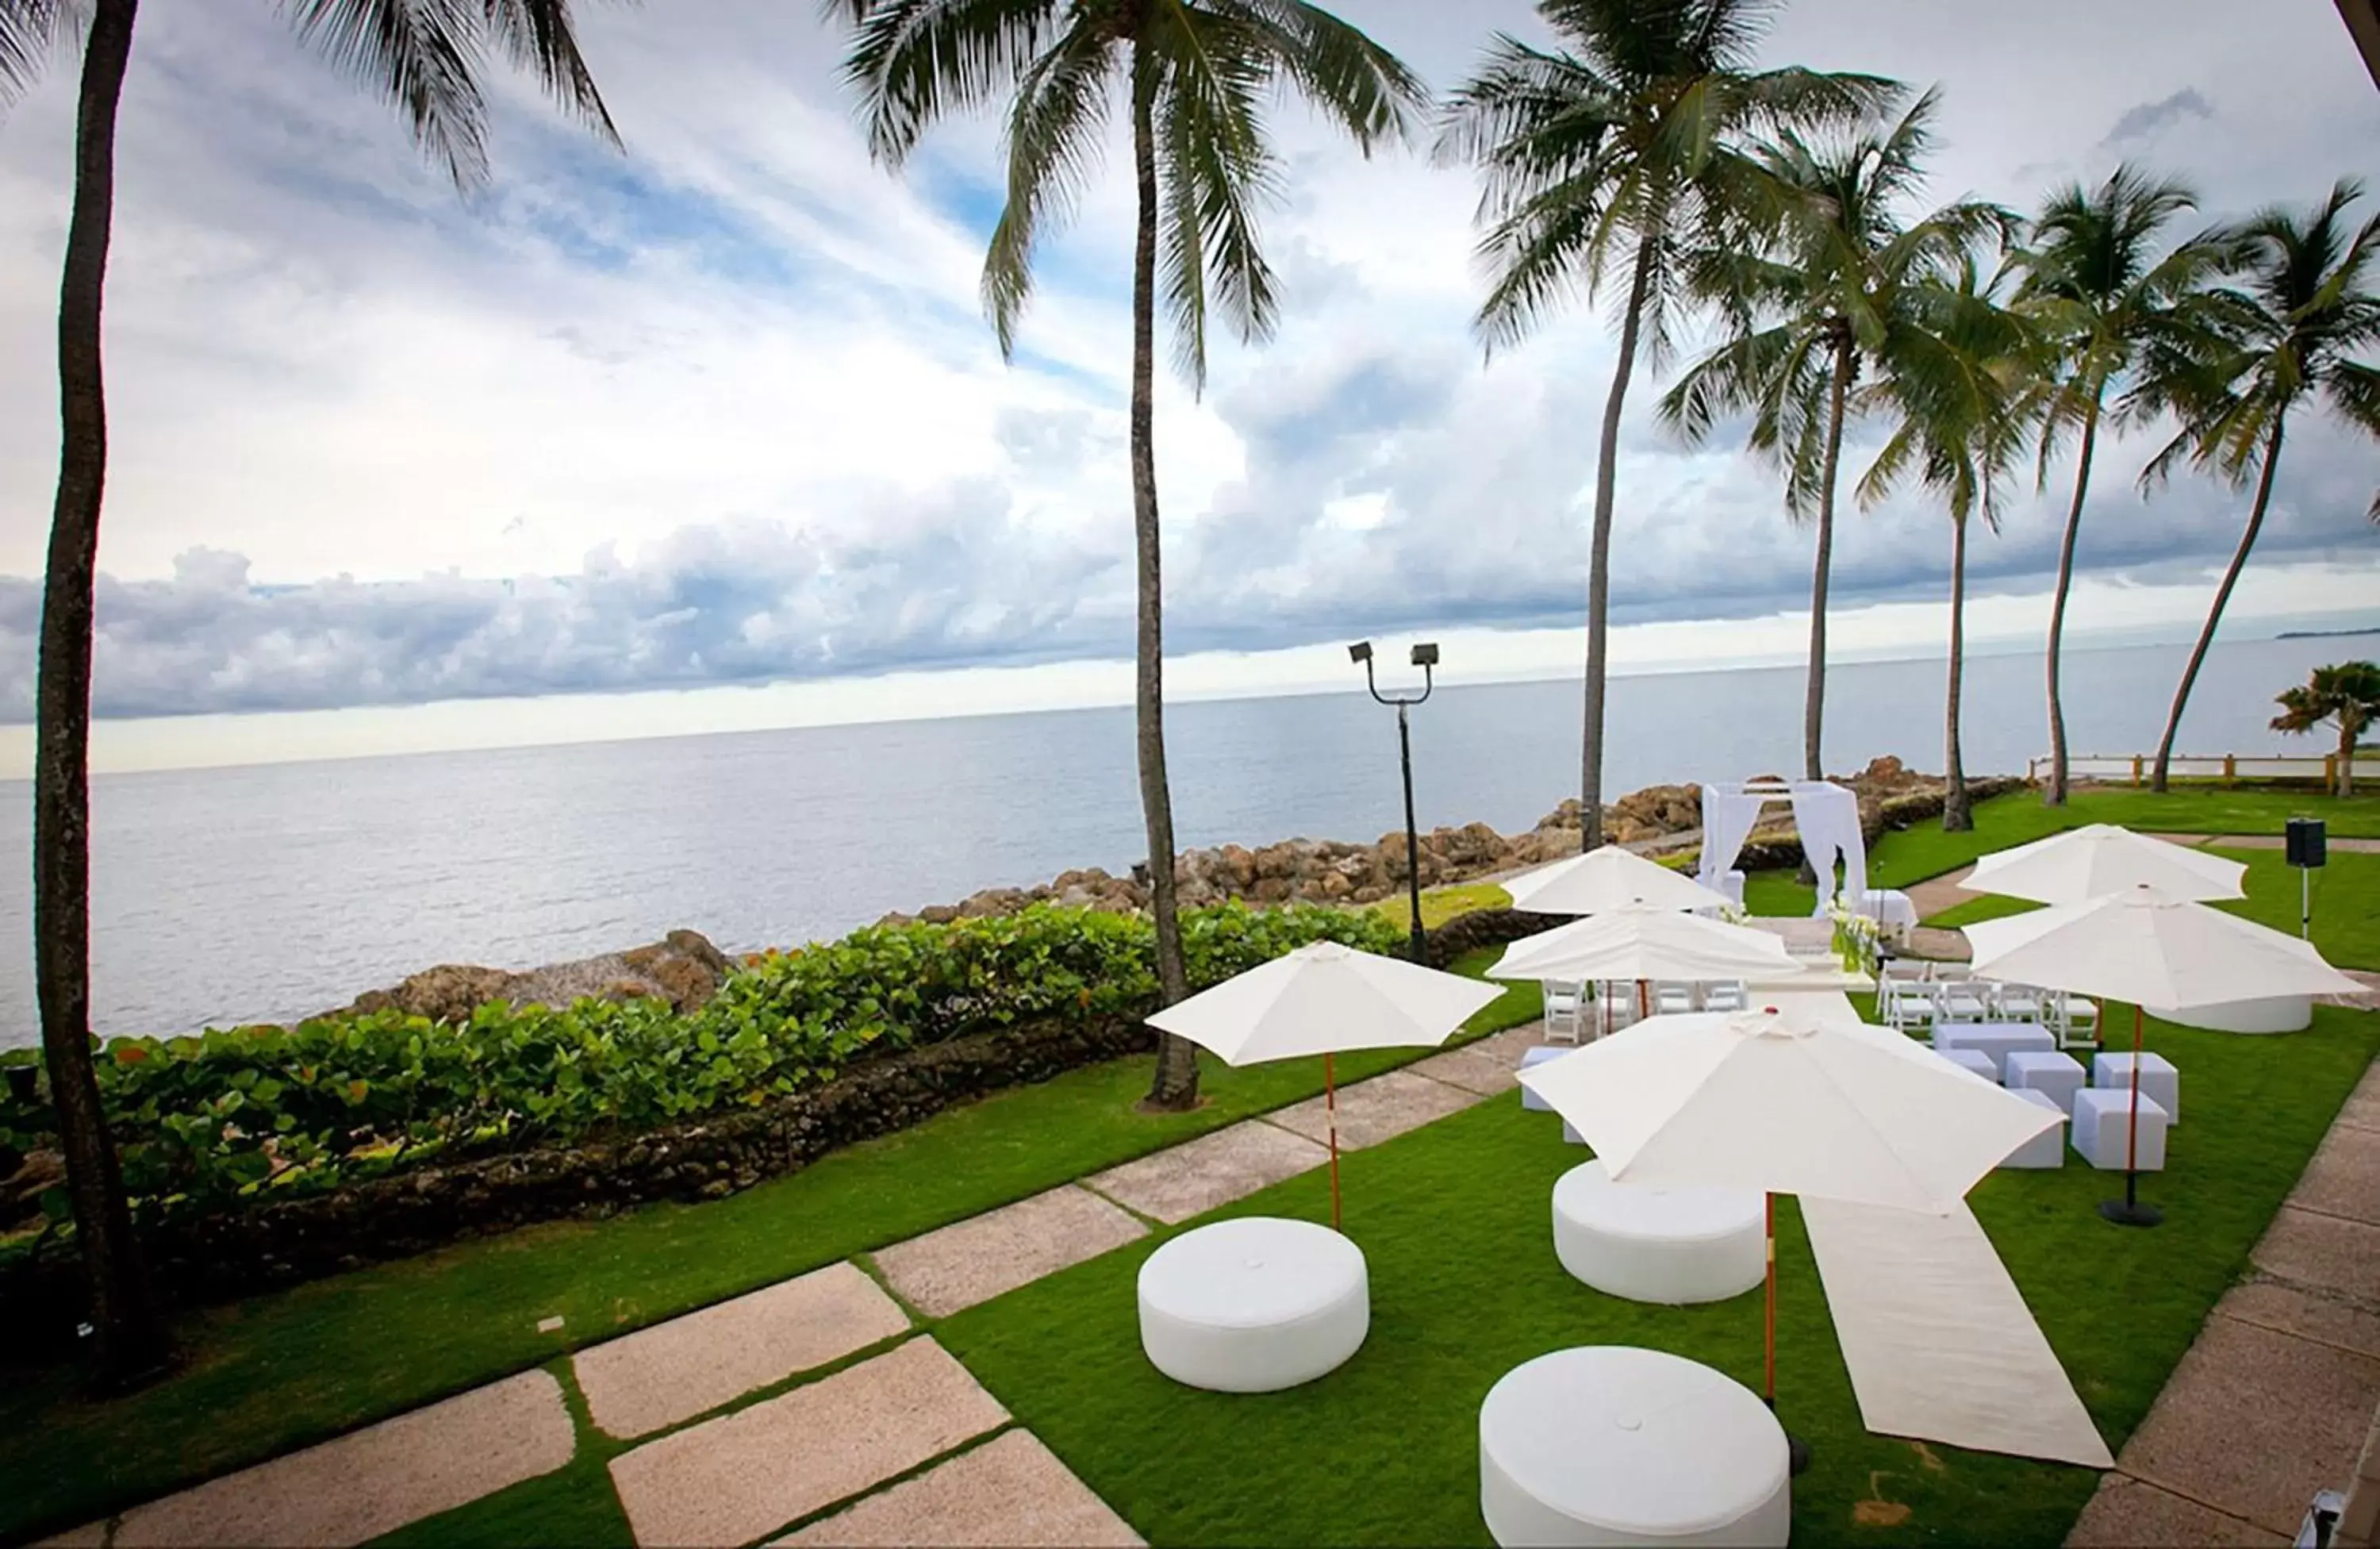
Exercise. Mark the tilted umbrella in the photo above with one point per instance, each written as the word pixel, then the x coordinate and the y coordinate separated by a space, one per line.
pixel 1325 998
pixel 2143 947
pixel 2091 862
pixel 1642 944
pixel 1607 879
pixel 1788 1103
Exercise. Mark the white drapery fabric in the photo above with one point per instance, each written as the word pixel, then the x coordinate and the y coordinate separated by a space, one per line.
pixel 1729 812
pixel 1828 818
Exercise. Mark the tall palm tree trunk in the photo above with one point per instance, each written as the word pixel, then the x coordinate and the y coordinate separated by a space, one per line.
pixel 2349 728
pixel 2054 795
pixel 2222 596
pixel 1176 1083
pixel 1598 557
pixel 1814 704
pixel 128 1332
pixel 1956 817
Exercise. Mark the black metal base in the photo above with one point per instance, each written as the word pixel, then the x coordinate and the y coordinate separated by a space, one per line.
pixel 2132 1213
pixel 1797 1454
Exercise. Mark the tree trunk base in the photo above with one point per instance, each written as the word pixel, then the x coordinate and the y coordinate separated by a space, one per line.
pixel 1188 1102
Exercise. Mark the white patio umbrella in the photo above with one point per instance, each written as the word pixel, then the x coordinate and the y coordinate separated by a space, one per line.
pixel 2093 861
pixel 2143 947
pixel 1607 879
pixel 1786 1102
pixel 1640 943
pixel 1325 998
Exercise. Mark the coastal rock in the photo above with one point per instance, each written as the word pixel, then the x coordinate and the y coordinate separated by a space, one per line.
pixel 683 969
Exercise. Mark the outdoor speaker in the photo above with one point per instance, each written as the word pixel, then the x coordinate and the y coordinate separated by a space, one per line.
pixel 2309 843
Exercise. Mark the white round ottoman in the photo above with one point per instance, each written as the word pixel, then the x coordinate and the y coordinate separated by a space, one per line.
pixel 1252 1305
pixel 1610 1445
pixel 2273 1014
pixel 1666 1245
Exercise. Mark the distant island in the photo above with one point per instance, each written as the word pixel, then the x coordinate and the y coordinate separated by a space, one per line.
pixel 2327 634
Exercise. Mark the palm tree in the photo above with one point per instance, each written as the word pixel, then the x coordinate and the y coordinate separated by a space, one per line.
pixel 1958 386
pixel 2347 695
pixel 1813 294
pixel 1616 151
pixel 1196 74
pixel 2094 285
pixel 427 60
pixel 2282 338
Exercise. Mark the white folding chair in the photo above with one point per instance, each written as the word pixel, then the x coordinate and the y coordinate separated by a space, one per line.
pixel 1962 1000
pixel 2017 1003
pixel 1725 995
pixel 2075 1020
pixel 1670 998
pixel 1565 1011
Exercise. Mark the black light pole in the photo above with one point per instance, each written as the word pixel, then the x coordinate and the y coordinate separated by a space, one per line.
pixel 1424 657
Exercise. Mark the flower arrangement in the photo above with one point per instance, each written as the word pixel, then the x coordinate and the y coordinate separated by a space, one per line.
pixel 1857 937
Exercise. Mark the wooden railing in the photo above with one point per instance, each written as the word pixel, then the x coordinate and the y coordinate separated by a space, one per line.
pixel 2229 768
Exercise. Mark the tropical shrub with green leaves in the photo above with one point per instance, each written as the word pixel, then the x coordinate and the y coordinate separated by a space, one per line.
pixel 234 1117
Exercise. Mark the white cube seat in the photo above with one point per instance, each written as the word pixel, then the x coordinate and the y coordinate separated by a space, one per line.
pixel 2048 1071
pixel 1254 1305
pixel 1610 1445
pixel 1995 1040
pixel 1538 1055
pixel 2158 1079
pixel 1973 1060
pixel 2047 1149
pixel 2102 1118
pixel 1661 1245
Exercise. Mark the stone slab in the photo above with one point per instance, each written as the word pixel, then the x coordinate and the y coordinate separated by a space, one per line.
pixel 1213 1170
pixel 2344 1180
pixel 2126 1514
pixel 1490 1067
pixel 1381 1109
pixel 1011 1491
pixel 969 1262
pixel 91 1535
pixel 671 1371
pixel 2253 1422
pixel 2328 1317
pixel 732 1479
pixel 2324 1252
pixel 374 1481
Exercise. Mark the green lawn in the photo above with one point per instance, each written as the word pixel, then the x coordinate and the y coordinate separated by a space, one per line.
pixel 1465 1287
pixel 278 1371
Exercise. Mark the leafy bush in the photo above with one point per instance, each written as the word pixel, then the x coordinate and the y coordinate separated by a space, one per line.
pixel 232 1116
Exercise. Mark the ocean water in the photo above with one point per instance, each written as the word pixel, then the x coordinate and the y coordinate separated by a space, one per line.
pixel 223 895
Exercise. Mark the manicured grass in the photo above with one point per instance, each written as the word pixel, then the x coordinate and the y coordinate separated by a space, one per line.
pixel 272 1373
pixel 1465 1287
pixel 1439 905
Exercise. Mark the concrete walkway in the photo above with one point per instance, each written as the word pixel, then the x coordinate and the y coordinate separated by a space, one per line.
pixel 900 1447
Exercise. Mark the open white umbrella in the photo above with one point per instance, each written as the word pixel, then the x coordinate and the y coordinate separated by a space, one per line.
pixel 1787 1102
pixel 1645 943
pixel 1323 999
pixel 2093 861
pixel 2143 947
pixel 1607 879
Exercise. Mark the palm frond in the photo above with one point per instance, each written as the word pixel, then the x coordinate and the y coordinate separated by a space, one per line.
pixel 1364 88
pixel 29 31
pixel 423 56
pixel 1053 139
pixel 541 37
pixel 913 61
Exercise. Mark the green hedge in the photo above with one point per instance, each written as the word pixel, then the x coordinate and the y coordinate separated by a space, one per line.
pixel 229 1117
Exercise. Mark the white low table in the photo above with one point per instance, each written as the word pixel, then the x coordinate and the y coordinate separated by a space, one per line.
pixel 2159 1079
pixel 2103 1124
pixel 2047 1149
pixel 1609 1444
pixel 1973 1061
pixel 1254 1305
pixel 2278 1014
pixel 1672 1246
pixel 2055 1075
pixel 1996 1041
pixel 1891 909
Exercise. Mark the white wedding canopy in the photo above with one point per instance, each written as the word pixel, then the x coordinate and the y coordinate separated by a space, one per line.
pixel 1825 815
pixel 1607 879
pixel 2091 862
pixel 1325 998
pixel 1646 944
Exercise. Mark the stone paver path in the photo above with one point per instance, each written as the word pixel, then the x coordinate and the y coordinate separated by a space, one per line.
pixel 1011 1491
pixel 377 1480
pixel 972 1261
pixel 1490 1067
pixel 1381 1109
pixel 2275 1400
pixel 732 1479
pixel 671 1371
pixel 1208 1173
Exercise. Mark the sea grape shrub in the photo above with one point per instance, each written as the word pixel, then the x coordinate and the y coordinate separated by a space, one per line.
pixel 233 1118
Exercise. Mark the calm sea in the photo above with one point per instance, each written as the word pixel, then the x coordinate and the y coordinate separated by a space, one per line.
pixel 225 896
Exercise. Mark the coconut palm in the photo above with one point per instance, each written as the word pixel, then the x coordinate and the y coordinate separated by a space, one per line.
pixel 2283 336
pixel 2347 695
pixel 1612 151
pixel 1958 388
pixel 429 61
pixel 1813 294
pixel 2094 282
pixel 1195 75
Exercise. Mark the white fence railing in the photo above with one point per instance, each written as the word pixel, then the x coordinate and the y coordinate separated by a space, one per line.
pixel 2134 768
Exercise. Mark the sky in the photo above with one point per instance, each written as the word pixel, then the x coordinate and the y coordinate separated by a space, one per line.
pixel 713 433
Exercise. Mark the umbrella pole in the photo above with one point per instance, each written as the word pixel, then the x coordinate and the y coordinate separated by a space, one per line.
pixel 1330 1108
pixel 2128 1211
pixel 1797 1451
